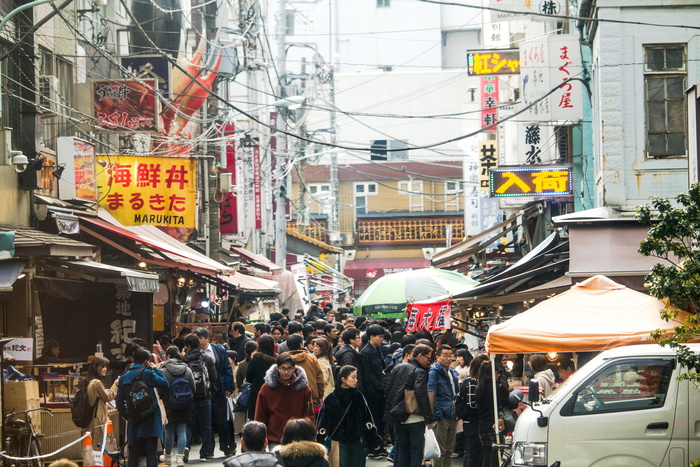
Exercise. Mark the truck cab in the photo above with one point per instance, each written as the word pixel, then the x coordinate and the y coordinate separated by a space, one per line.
pixel 626 407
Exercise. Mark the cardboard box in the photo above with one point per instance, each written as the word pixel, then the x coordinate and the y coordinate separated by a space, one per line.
pixel 23 395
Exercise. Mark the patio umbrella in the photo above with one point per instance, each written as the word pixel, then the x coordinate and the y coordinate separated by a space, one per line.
pixel 391 293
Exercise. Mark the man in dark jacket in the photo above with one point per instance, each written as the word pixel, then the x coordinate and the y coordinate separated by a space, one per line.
pixel 410 428
pixel 253 445
pixel 142 436
pixel 349 354
pixel 201 406
pixel 443 381
pixel 222 387
pixel 372 382
pixel 238 339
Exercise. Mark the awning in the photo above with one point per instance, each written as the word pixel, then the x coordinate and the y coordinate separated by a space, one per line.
pixel 255 260
pixel 9 272
pixel 243 283
pixel 32 242
pixel 360 268
pixel 539 292
pixel 321 245
pixel 164 250
pixel 136 281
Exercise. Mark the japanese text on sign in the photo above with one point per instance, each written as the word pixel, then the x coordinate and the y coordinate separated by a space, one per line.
pixel 125 105
pixel 488 160
pixel 531 181
pixel 500 62
pixel 123 328
pixel 151 190
pixel 489 102
pixel 429 317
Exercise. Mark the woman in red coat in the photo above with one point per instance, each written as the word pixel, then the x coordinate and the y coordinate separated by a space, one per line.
pixel 285 395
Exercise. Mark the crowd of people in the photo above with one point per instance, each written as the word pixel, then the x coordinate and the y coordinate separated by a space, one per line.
pixel 315 389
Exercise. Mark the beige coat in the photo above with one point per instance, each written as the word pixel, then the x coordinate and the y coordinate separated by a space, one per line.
pixel 329 383
pixel 97 392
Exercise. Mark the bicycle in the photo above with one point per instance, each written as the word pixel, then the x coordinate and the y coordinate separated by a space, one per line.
pixel 21 440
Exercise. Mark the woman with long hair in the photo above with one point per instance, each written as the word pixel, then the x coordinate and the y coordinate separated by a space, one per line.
pixel 469 413
pixel 174 368
pixel 99 394
pixel 484 402
pixel 298 446
pixel 344 420
pixel 324 354
pixel 260 362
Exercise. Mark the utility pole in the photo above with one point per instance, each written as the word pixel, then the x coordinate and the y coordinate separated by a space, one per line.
pixel 280 164
pixel 334 233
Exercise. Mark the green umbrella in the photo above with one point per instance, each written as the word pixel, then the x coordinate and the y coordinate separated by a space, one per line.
pixel 391 293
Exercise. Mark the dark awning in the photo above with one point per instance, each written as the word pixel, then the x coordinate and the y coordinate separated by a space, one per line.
pixel 137 281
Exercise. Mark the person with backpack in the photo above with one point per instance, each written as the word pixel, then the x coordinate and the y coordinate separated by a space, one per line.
pixel 137 401
pixel 203 372
pixel 178 403
pixel 90 403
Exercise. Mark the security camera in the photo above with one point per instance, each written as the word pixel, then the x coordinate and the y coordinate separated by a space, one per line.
pixel 19 160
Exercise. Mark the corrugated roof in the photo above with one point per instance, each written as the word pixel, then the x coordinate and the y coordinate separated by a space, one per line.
pixel 30 241
pixel 323 246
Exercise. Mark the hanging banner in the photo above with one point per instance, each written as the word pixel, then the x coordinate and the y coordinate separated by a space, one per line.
pixel 228 213
pixel 257 187
pixel 489 102
pixel 429 317
pixel 299 271
pixel 151 190
pixel 125 105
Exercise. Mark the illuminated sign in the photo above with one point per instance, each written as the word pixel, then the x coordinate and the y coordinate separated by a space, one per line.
pixel 150 190
pixel 531 181
pixel 493 62
pixel 125 105
pixel 408 231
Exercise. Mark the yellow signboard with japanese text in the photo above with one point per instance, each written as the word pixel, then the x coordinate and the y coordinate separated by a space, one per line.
pixel 150 190
pixel 493 62
pixel 531 181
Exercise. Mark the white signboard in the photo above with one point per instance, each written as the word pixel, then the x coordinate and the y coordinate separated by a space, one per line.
pixel 509 10
pixel 545 64
pixel 302 283
pixel 20 349
pixel 537 144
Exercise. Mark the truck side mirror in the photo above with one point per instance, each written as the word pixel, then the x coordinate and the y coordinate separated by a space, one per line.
pixel 533 393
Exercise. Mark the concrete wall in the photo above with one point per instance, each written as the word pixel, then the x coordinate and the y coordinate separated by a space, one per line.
pixel 624 176
pixel 15 205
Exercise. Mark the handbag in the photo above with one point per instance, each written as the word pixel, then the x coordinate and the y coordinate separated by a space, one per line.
pixel 243 399
pixel 411 403
pixel 509 418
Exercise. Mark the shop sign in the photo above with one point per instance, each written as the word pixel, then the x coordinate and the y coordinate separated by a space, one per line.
pixel 531 181
pixel 493 62
pixel 20 349
pixel 545 64
pixel 157 67
pixel 150 190
pixel 408 231
pixel 79 174
pixel 488 160
pixel 301 282
pixel 511 10
pixel 429 317
pixel 489 103
pixel 125 105
pixel 228 213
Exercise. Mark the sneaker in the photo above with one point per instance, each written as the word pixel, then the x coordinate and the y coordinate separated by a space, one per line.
pixel 372 455
pixel 186 455
pixel 381 454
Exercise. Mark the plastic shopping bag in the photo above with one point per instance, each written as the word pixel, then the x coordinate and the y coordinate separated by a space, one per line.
pixel 431 449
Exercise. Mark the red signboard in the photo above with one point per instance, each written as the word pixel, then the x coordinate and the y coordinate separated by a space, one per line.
pixel 429 317
pixel 228 213
pixel 125 105
pixel 256 187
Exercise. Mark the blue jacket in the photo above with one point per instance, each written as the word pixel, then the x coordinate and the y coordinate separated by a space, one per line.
pixel 223 371
pixel 153 426
pixel 439 383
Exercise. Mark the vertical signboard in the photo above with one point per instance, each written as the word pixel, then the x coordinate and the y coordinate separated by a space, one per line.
pixel 78 180
pixel 301 282
pixel 537 144
pixel 249 191
pixel 546 64
pixel 488 159
pixel 228 218
pixel 489 102
pixel 256 185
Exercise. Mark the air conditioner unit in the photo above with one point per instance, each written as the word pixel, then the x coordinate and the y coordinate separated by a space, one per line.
pixel 48 94
pixel 347 239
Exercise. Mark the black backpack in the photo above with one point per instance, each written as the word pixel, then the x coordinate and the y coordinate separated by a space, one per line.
pixel 202 385
pixel 142 401
pixel 81 411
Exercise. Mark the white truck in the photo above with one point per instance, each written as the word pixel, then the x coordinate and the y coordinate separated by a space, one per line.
pixel 626 407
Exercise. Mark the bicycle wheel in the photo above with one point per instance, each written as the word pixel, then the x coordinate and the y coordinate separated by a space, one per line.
pixel 34 450
pixel 12 448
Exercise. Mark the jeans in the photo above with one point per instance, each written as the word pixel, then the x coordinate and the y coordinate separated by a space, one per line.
pixel 170 429
pixel 150 448
pixel 489 456
pixel 201 413
pixel 472 445
pixel 411 440
pixel 445 432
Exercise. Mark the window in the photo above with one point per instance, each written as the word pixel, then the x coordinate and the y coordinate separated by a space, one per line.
pixel 319 188
pixel 453 194
pixel 414 190
pixel 624 386
pixel 362 190
pixel 383 3
pixel 664 85
pixel 378 149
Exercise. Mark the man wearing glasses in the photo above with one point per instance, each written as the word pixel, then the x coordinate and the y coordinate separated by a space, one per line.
pixel 443 380
pixel 285 395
